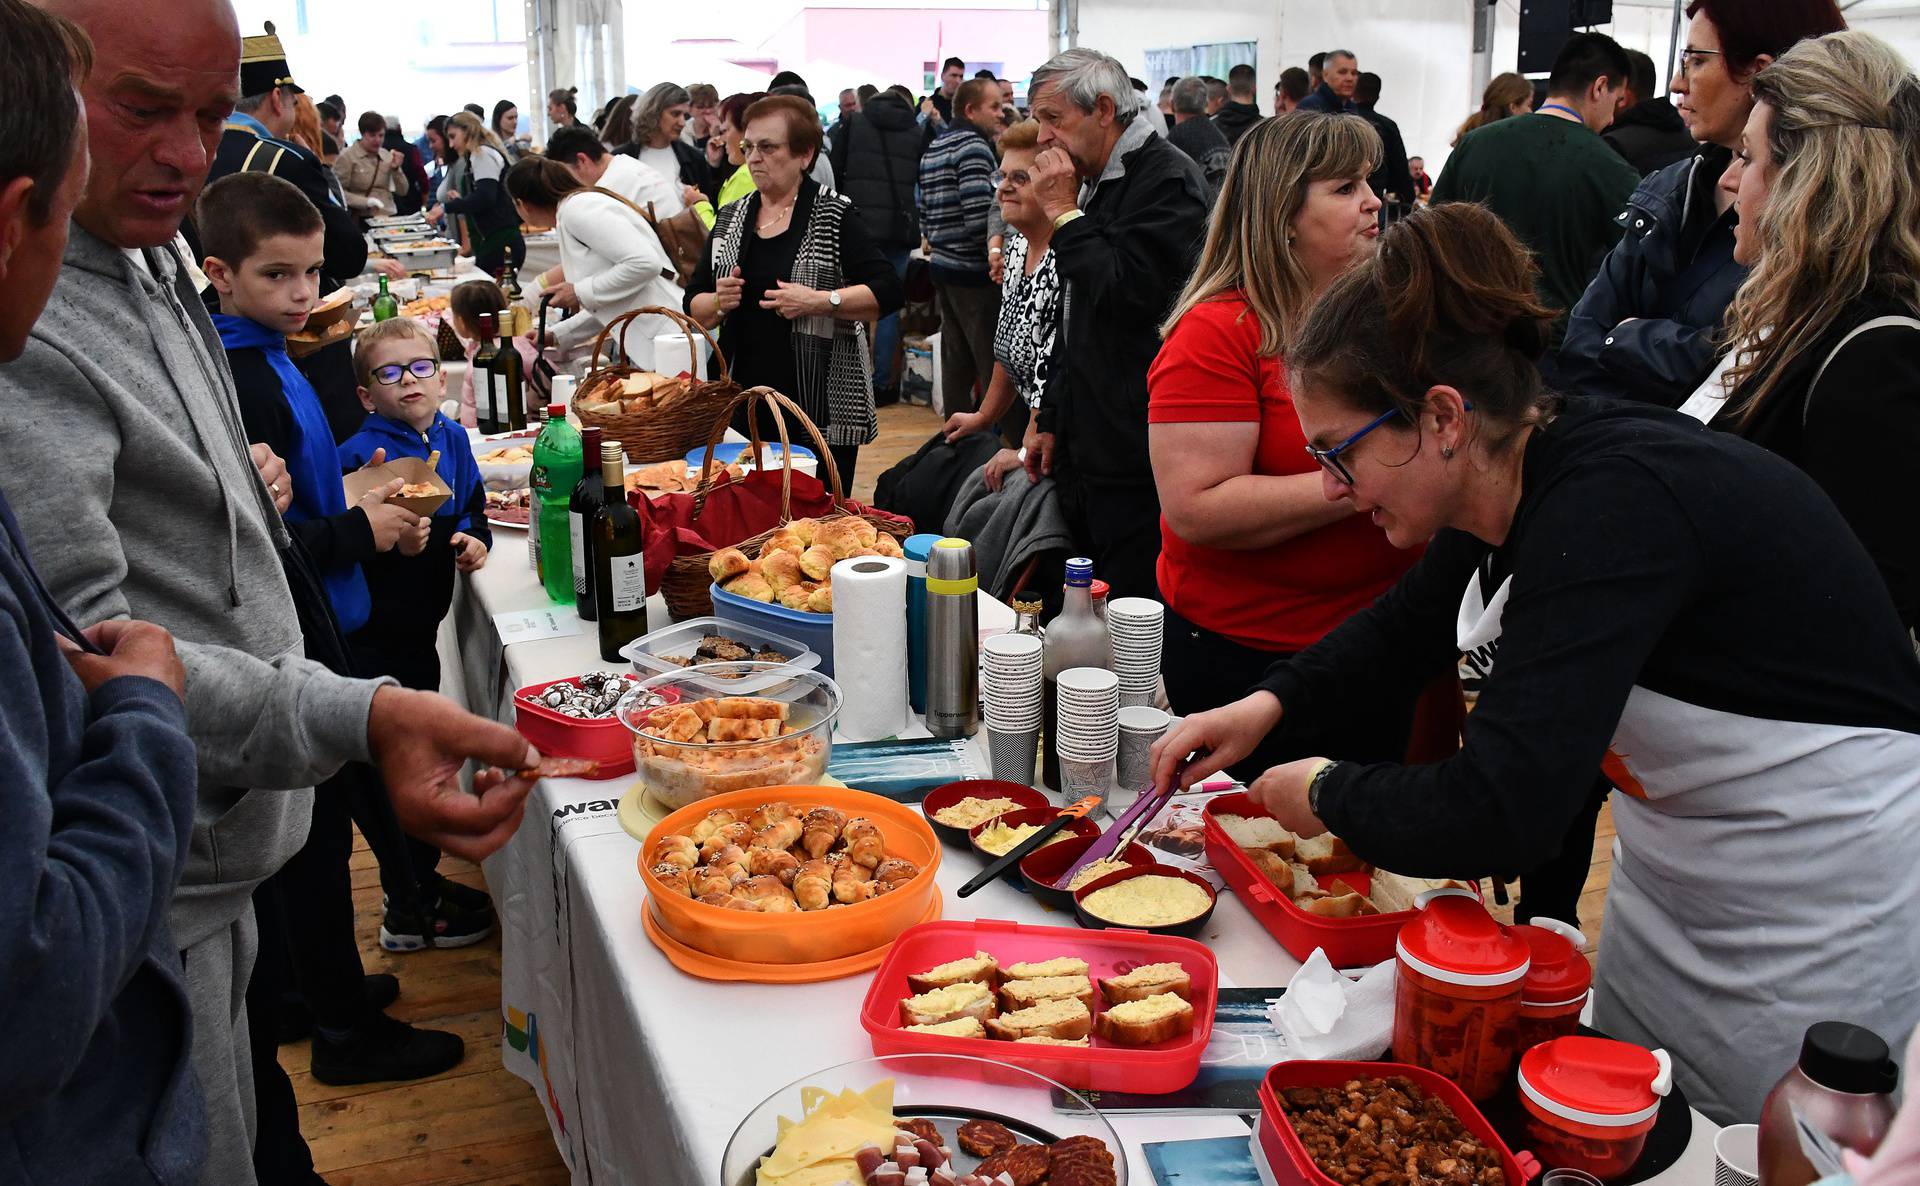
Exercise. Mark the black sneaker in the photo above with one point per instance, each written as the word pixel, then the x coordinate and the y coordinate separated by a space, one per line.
pixel 294 1021
pixel 474 901
pixel 405 928
pixel 381 1050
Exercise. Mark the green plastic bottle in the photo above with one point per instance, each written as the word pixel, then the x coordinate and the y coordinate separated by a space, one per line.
pixel 557 466
pixel 385 307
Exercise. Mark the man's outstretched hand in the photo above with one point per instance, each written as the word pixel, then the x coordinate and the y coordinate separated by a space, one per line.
pixel 420 742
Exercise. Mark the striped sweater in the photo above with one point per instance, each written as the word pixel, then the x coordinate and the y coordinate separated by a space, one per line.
pixel 956 191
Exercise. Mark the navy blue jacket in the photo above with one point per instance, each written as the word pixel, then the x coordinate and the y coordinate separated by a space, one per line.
pixel 98 794
pixel 1324 98
pixel 1672 273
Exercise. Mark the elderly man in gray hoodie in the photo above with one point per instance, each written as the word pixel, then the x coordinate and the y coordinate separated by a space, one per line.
pixel 138 495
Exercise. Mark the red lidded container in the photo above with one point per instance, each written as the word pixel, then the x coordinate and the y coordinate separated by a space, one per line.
pixel 1556 987
pixel 1592 1101
pixel 1458 997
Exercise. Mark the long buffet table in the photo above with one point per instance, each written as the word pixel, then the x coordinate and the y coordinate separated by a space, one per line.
pixel 645 1071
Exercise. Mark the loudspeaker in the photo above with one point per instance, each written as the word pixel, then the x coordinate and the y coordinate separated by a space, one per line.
pixel 1545 26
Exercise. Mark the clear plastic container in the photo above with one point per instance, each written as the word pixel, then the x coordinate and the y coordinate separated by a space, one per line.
pixel 1458 998
pixel 680 773
pixel 654 654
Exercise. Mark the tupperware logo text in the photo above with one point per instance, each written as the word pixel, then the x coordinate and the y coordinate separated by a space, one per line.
pixel 591 806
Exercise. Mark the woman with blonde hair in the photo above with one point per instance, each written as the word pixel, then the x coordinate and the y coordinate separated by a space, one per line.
pixel 1508 94
pixel 481 200
pixel 1825 370
pixel 659 117
pixel 1255 563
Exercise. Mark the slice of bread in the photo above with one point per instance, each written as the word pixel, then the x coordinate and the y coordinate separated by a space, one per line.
pixel 1327 853
pixel 1393 891
pixel 959 1027
pixel 1043 1040
pixel 1147 981
pixel 1018 994
pixel 1050 1019
pixel 978 968
pixel 1346 905
pixel 1274 867
pixel 965 999
pixel 1066 965
pixel 1257 831
pixel 1144 1022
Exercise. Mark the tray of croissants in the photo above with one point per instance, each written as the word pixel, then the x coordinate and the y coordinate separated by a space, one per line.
pixel 794 566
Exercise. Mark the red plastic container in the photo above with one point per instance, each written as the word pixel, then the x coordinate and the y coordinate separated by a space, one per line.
pixel 1457 1002
pixel 1557 984
pixel 1592 1101
pixel 1288 1158
pixel 1349 942
pixel 607 742
pixel 1103 1066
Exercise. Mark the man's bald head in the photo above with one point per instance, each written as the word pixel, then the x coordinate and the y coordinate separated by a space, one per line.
pixel 159 92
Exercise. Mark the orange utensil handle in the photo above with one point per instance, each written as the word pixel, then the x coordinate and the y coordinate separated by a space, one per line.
pixel 1083 808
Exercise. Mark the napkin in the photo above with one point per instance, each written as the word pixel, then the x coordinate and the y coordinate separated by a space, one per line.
pixel 1324 1015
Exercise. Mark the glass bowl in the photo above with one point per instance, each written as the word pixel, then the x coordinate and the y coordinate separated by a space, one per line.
pixel 945 1088
pixel 678 773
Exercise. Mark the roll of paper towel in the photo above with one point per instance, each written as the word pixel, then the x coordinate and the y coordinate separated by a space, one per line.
pixel 870 646
pixel 670 355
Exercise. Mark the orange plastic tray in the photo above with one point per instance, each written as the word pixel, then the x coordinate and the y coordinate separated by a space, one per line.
pixel 709 967
pixel 810 937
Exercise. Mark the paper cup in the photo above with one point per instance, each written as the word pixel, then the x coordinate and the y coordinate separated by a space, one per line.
pixel 1012 753
pixel 1736 1155
pixel 1080 778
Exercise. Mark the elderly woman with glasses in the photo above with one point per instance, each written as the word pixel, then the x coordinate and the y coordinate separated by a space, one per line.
pixel 1621 568
pixel 791 277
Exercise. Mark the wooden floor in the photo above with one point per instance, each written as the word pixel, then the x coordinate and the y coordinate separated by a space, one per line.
pixel 479 1123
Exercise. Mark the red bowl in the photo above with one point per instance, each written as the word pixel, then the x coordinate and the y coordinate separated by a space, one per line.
pixel 1187 928
pixel 1043 866
pixel 941 798
pixel 600 739
pixel 1027 815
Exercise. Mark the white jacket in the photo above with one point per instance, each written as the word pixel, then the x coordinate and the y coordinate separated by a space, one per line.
pixel 615 263
pixel 631 179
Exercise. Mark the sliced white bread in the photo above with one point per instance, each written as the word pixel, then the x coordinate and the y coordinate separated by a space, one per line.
pixel 1393 891
pixel 1346 905
pixel 1043 1040
pixel 1327 853
pixel 1049 1019
pixel 978 968
pixel 1148 981
pixel 1258 831
pixel 1065 965
pixel 1019 994
pixel 965 999
pixel 959 1027
pixel 1274 867
pixel 1144 1022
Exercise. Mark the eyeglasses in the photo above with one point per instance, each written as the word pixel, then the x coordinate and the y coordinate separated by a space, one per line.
pixel 762 148
pixel 1329 459
pixel 393 372
pixel 1688 64
pixel 1018 177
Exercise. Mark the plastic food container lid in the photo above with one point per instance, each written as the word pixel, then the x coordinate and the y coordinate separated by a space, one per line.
pixel 1596 1081
pixel 1559 974
pixel 1453 939
pixel 919 547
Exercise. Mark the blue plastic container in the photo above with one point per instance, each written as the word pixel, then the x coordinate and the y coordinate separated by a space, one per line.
pixel 917 548
pixel 814 630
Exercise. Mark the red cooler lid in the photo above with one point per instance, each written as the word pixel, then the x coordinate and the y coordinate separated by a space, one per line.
pixel 1596 1081
pixel 1560 975
pixel 1453 939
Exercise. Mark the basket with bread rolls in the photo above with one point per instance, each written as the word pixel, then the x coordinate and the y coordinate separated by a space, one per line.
pixel 654 416
pixel 1310 891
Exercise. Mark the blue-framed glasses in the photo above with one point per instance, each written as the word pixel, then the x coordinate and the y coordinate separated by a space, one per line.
pixel 393 372
pixel 1329 458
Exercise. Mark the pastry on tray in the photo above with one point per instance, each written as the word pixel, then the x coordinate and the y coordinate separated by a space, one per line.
pixel 1065 965
pixel 1019 994
pixel 1054 1019
pixel 1146 981
pixel 780 858
pixel 978 968
pixel 1146 1021
pixel 965 999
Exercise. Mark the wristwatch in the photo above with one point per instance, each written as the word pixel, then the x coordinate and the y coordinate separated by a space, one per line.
pixel 833 297
pixel 1313 786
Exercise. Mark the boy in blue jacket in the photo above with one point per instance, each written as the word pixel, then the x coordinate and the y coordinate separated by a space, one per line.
pixel 401 386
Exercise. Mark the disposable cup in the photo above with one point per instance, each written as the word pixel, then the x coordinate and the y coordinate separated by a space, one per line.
pixel 1082 777
pixel 1736 1154
pixel 1012 753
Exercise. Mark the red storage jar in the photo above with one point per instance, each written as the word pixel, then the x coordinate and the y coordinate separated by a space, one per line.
pixel 1557 984
pixel 1592 1101
pixel 1459 990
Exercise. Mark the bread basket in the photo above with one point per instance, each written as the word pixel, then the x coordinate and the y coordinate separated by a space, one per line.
pixel 660 433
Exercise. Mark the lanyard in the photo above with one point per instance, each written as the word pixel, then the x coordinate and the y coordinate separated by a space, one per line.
pixel 1560 107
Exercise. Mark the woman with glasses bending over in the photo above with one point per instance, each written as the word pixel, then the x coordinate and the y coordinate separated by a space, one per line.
pixel 1255 562
pixel 1672 604
pixel 791 278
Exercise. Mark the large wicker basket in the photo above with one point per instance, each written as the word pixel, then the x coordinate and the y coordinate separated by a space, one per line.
pixel 658 434
pixel 688 586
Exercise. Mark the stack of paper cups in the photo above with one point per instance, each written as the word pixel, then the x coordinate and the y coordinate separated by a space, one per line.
pixel 1135 624
pixel 1140 727
pixel 1087 717
pixel 1010 688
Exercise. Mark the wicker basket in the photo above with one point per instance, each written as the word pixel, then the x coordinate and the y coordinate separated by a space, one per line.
pixel 688 586
pixel 667 433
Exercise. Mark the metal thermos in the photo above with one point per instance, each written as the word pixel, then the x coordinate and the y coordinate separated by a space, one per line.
pixel 917 549
pixel 953 640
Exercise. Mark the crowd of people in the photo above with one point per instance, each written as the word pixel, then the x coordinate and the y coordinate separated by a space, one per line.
pixel 1610 407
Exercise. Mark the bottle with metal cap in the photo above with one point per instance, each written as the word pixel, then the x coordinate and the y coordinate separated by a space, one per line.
pixel 917 549
pixel 953 640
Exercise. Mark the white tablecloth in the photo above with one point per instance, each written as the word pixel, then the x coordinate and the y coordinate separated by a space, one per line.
pixel 645 1071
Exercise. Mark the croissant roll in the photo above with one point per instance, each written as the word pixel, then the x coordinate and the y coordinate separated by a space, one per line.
pixel 821 600
pixel 848 886
pixel 769 813
pixel 864 845
pixel 817 562
pixel 674 879
pixel 813 885
pixel 678 850
pixel 804 529
pixel 716 819
pixel 736 834
pixel 703 882
pixel 730 860
pixel 781 570
pixel 893 873
pixel 727 564
pixel 796 596
pixel 821 829
pixel 857 872
pixel 772 862
pixel 730 901
pixel 781 834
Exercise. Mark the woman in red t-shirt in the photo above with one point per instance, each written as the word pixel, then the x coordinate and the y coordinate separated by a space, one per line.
pixel 1255 562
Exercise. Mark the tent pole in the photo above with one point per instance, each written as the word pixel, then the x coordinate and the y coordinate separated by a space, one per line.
pixel 1673 40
